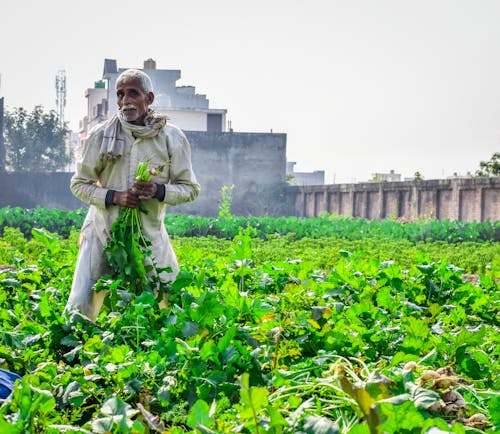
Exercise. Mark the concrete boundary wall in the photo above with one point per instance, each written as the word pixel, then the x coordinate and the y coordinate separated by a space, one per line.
pixel 468 199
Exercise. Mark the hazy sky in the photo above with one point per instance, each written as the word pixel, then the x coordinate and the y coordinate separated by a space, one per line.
pixel 358 86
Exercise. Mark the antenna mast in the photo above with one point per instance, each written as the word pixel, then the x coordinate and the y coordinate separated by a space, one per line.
pixel 61 94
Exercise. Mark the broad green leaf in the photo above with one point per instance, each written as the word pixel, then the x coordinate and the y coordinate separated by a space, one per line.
pixel 104 425
pixel 183 280
pixel 397 418
pixel 276 418
pixel 421 397
pixel 190 329
pixel 7 428
pixel 377 386
pixel 199 414
pixel 117 407
pixel 384 298
pixel 253 399
pixel 494 407
pixel 209 350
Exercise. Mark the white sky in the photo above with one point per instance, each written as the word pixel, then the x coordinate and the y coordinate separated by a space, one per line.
pixel 358 86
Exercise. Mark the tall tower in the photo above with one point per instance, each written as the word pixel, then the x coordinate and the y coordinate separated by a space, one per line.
pixel 61 94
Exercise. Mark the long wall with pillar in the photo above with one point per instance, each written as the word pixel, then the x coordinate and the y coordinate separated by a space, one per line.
pixel 467 199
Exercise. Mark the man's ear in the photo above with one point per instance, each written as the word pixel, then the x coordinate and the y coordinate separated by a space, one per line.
pixel 151 98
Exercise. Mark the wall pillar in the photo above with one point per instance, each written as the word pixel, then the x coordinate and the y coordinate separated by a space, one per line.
pixel 381 197
pixel 482 205
pixel 415 202
pixel 455 200
pixel 351 200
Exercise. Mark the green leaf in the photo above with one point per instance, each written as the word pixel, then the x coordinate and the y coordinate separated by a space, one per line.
pixel 7 428
pixel 384 297
pixel 400 418
pixel 494 408
pixel 199 414
pixel 276 418
pixel 229 354
pixel 104 425
pixel 468 360
pixel 253 399
pixel 421 397
pixel 116 407
pixel 190 329
pixel 183 280
pixel 209 350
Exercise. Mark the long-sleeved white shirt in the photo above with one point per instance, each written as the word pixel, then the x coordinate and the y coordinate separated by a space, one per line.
pixel 169 153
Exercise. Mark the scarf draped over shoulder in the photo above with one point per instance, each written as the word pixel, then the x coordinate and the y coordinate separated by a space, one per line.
pixel 113 140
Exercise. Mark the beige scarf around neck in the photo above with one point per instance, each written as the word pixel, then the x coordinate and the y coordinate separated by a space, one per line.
pixel 113 140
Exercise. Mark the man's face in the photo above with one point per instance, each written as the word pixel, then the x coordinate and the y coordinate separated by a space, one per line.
pixel 133 101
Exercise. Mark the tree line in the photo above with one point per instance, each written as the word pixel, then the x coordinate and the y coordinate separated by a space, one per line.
pixel 35 141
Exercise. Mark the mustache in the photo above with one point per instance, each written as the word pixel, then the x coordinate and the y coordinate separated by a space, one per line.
pixel 129 107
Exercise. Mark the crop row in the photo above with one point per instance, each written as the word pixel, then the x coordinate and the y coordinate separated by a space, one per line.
pixel 62 222
pixel 253 345
pixel 318 253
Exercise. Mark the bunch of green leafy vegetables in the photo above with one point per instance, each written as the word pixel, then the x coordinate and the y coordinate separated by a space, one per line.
pixel 129 256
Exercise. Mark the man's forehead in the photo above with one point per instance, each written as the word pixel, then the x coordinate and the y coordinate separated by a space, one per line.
pixel 131 82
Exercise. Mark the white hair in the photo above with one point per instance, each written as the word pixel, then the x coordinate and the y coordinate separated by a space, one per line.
pixel 132 74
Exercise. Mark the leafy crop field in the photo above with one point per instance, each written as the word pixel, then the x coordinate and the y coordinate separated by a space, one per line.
pixel 267 331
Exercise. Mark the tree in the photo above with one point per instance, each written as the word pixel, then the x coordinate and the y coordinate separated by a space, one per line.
pixel 490 168
pixel 36 141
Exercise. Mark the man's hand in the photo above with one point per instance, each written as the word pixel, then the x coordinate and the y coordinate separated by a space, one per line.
pixel 128 199
pixel 145 190
pixel 131 198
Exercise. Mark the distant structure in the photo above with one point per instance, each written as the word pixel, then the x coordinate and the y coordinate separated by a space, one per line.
pixel 386 177
pixel 456 175
pixel 316 177
pixel 61 94
pixel 185 108
pixel 97 108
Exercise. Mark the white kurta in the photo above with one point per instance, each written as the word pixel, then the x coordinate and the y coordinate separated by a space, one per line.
pixel 169 151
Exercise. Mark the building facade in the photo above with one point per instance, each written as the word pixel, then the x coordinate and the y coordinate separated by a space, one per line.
pixel 317 177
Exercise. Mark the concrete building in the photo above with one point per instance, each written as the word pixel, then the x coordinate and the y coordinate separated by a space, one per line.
pixel 317 177
pixel 97 106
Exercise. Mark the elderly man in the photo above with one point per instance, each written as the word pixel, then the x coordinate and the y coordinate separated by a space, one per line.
pixel 105 180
